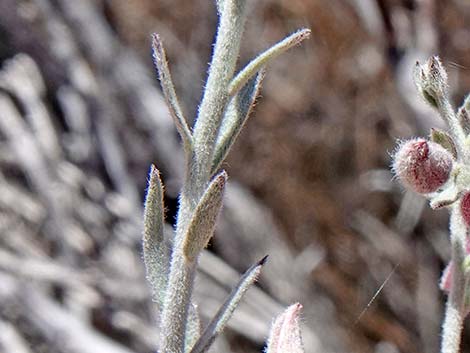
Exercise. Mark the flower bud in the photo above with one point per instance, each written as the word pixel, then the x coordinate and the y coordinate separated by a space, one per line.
pixel 285 332
pixel 422 165
pixel 431 81
pixel 465 208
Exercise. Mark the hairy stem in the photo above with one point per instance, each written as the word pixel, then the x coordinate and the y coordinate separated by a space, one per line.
pixel 175 313
pixel 447 112
pixel 216 96
pixel 454 315
pixel 182 271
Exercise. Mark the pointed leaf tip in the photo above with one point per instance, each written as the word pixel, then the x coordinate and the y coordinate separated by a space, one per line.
pixel 263 260
pixel 153 211
pixel 263 58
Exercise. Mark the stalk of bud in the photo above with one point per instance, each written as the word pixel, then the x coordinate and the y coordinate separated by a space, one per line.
pixel 422 165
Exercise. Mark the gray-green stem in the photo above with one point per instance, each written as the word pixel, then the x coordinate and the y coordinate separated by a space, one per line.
pixel 216 96
pixel 448 114
pixel 454 315
pixel 181 278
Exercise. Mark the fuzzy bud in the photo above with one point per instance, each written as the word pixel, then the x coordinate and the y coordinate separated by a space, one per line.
pixel 431 81
pixel 465 208
pixel 285 333
pixel 422 165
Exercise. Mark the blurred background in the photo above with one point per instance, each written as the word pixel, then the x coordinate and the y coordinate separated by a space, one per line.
pixel 82 118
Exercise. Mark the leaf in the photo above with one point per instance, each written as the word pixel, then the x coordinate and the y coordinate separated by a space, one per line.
pixel 166 82
pixel 156 251
pixel 444 139
pixel 235 117
pixel 225 312
pixel 202 225
pixel 262 59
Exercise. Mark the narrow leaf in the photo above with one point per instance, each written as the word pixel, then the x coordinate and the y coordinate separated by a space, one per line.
pixel 285 334
pixel 220 319
pixel 444 139
pixel 236 114
pixel 262 59
pixel 202 225
pixel 156 251
pixel 166 82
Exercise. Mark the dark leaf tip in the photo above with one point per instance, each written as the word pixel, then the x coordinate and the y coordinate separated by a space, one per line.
pixel 263 260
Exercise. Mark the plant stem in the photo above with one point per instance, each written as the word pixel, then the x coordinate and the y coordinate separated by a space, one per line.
pixel 454 315
pixel 182 271
pixel 447 112
pixel 214 101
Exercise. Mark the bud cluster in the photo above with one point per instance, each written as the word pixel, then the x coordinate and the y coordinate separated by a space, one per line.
pixel 439 168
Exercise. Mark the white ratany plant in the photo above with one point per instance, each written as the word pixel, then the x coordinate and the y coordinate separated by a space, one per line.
pixel 227 101
pixel 439 168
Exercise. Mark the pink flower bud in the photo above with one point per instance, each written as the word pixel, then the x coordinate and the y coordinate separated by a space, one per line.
pixel 422 165
pixel 285 333
pixel 465 208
